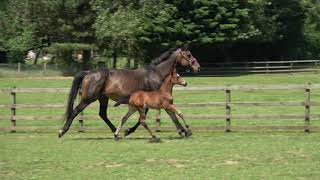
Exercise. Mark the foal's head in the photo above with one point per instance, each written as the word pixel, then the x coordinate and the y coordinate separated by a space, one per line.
pixel 177 79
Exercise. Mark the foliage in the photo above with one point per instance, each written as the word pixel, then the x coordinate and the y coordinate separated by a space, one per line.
pixel 141 29
pixel 58 47
pixel 128 28
pixel 17 35
pixel 209 22
pixel 312 26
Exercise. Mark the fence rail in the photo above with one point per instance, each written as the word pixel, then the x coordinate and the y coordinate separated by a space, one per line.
pixel 261 66
pixel 228 104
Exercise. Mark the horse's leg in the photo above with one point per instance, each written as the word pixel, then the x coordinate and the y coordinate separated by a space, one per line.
pixel 103 112
pixel 69 120
pixel 179 127
pixel 133 129
pixel 158 120
pixel 142 120
pixel 124 119
pixel 171 107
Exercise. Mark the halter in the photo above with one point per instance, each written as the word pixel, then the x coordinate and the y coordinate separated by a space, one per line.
pixel 193 60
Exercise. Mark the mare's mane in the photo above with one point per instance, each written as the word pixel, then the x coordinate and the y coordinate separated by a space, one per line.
pixel 164 56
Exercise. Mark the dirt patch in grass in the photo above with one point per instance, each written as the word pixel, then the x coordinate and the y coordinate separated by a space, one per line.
pixel 177 163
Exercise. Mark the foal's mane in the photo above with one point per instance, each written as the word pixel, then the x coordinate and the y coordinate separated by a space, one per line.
pixel 164 56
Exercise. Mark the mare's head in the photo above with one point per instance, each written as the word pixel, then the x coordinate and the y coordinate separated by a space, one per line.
pixel 177 79
pixel 185 58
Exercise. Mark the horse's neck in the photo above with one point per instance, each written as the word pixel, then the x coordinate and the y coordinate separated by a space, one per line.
pixel 167 66
pixel 167 85
pixel 156 77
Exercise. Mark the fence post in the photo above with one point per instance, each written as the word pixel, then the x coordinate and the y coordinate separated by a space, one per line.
pixel 158 121
pixel 19 67
pixel 228 109
pixel 13 109
pixel 307 108
pixel 45 67
pixel 267 68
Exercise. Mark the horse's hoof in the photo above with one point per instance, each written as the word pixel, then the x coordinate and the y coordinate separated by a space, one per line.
pixel 155 140
pixel 181 134
pixel 188 133
pixel 60 134
pixel 116 138
pixel 113 129
pixel 126 132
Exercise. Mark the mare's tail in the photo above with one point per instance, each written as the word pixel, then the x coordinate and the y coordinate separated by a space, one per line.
pixel 77 80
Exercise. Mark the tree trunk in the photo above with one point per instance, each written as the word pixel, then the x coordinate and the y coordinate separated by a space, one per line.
pixel 136 63
pixel 37 56
pixel 85 60
pixel 114 58
pixel 128 63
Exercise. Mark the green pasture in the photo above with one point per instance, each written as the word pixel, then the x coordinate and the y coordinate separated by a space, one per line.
pixel 205 155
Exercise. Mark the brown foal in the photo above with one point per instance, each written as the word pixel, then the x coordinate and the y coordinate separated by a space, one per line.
pixel 160 99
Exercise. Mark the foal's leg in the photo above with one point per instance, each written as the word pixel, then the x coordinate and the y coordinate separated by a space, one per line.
pixel 103 112
pixel 76 111
pixel 133 129
pixel 124 119
pixel 142 120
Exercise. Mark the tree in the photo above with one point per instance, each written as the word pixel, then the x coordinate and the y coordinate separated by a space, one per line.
pixel 73 31
pixel 117 30
pixel 17 33
pixel 311 28
pixel 290 17
pixel 129 28
pixel 25 26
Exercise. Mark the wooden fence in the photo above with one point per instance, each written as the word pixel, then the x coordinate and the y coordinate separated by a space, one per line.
pixel 261 66
pixel 228 104
pixel 22 67
pixel 217 67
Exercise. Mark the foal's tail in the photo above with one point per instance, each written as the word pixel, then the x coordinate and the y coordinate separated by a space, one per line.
pixel 77 80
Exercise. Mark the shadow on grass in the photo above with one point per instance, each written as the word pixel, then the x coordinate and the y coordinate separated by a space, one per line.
pixel 126 138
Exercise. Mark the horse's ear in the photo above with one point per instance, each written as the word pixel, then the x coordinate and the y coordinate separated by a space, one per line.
pixel 185 47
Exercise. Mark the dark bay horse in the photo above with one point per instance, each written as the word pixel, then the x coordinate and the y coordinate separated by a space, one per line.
pixel 116 84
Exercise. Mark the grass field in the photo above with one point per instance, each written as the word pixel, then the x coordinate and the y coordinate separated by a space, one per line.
pixel 206 155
